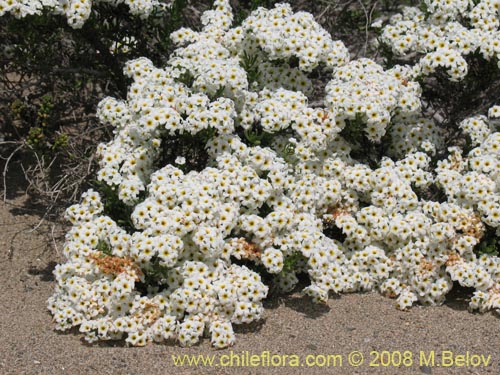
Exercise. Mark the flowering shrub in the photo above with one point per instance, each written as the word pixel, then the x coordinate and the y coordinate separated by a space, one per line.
pixel 54 75
pixel 76 11
pixel 278 192
pixel 444 33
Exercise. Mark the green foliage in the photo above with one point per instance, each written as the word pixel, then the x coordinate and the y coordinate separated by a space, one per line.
pixel 44 138
pixel 291 262
pixel 114 207
pixel 18 108
pixel 363 149
pixel 256 136
pixel 218 94
pixel 186 78
pixel 61 141
pixel 104 247
pixel 251 66
pixel 36 138
pixel 489 245
pixel 155 276
pixel 45 110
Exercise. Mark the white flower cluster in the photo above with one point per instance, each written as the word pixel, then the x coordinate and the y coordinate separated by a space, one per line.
pixel 271 39
pixel 282 34
pixel 362 88
pixel 22 8
pixel 299 203
pixel 474 181
pixel 414 133
pixel 282 109
pixel 445 33
pixel 197 288
pixel 76 11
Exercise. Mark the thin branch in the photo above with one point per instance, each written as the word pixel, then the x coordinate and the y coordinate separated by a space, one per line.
pixel 54 242
pixel 5 171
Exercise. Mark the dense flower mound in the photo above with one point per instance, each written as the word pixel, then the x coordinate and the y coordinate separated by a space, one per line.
pixel 444 33
pixel 76 11
pixel 363 88
pixel 281 193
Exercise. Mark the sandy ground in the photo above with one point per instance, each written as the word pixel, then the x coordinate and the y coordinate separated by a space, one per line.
pixel 292 325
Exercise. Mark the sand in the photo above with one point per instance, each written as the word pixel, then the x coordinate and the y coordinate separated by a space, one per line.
pixel 292 325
